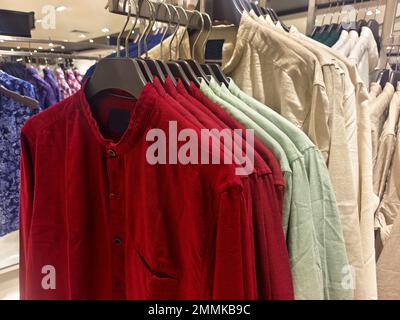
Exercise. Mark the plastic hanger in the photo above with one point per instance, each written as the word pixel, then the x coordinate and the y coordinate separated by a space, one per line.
pixel 196 67
pixel 161 63
pixel 190 73
pixel 374 26
pixel 215 68
pixel 395 75
pixel 152 64
pixel 117 73
pixel 335 26
pixel 175 68
pixel 26 101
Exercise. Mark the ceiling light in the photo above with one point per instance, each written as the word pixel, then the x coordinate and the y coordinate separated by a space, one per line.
pixel 62 47
pixel 60 8
pixel 1 40
pixel 38 20
pixel 18 47
pixel 35 51
pixel 19 59
pixel 256 3
pixel 12 49
pixel 105 30
pixel 51 49
pixel 40 48
pixel 108 37
pixel 82 36
pixel 114 51
pixel 51 44
pixel 369 13
pixel 91 40
pixel 66 40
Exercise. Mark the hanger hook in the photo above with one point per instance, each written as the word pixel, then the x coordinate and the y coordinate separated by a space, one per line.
pixel 132 29
pixel 203 46
pixel 201 30
pixel 124 27
pixel 332 11
pixel 152 22
pixel 176 29
pixel 168 26
pixel 147 27
pixel 377 8
pixel 183 35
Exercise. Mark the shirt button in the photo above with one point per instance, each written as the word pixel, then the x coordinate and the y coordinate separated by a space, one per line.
pixel 112 153
pixel 117 241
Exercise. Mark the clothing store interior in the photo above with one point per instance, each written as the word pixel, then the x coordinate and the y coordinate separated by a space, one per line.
pixel 199 150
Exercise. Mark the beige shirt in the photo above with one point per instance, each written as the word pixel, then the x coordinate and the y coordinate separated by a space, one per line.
pixel 374 91
pixel 364 265
pixel 341 41
pixel 387 143
pixel 349 44
pixel 388 268
pixel 297 91
pixel 378 112
pixel 365 55
pixel 385 174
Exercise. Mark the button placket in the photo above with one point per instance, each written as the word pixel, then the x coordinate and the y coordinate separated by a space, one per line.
pixel 117 222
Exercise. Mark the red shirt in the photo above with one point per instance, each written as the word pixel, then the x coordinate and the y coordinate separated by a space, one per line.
pixel 114 226
pixel 182 107
pixel 271 251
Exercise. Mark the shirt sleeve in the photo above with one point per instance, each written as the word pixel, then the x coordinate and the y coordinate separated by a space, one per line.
pixel 26 208
pixel 230 280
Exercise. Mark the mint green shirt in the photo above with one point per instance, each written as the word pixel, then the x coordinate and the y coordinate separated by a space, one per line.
pixel 297 215
pixel 325 211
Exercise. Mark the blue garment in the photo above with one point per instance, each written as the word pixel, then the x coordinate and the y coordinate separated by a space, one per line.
pixel 45 93
pixel 12 117
pixel 51 81
pixel 152 41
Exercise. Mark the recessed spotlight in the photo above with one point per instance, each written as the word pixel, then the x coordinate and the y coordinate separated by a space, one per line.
pixel 62 47
pixel 82 36
pixel 91 40
pixel 52 49
pixel 105 30
pixel 18 47
pixel 35 51
pixel 12 49
pixel 108 37
pixel 40 48
pixel 38 20
pixel 20 60
pixel 66 40
pixel 51 44
pixel 60 8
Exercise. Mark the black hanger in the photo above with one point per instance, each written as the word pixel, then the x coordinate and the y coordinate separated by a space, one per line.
pixel 117 73
pixel 374 26
pixel 224 10
pixel 215 68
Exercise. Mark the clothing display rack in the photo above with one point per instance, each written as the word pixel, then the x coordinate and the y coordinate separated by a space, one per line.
pixel 46 55
pixel 120 7
pixel 388 21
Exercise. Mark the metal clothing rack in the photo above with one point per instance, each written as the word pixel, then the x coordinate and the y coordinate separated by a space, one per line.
pixel 388 22
pixel 46 55
pixel 117 7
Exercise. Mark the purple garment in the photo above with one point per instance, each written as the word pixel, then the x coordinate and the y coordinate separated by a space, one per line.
pixel 78 75
pixel 66 91
pixel 13 115
pixel 49 78
pixel 44 91
pixel 72 82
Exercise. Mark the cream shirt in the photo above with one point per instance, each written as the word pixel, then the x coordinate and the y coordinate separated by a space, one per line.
pixel 365 55
pixel 349 44
pixel 378 113
pixel 342 40
pixel 297 91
